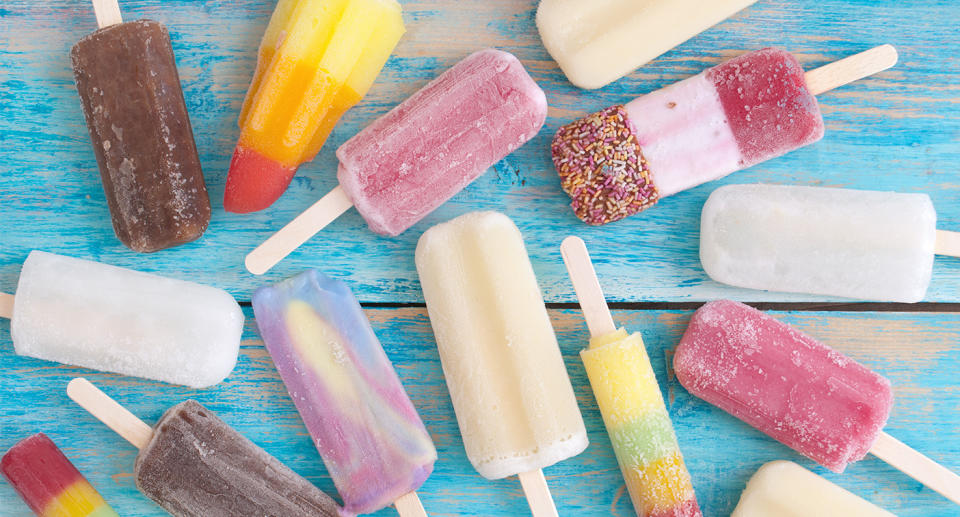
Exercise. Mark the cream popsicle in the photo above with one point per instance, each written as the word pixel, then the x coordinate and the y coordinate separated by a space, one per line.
pixel 840 242
pixel 797 390
pixel 127 79
pixel 316 60
pixel 193 464
pixel 785 489
pixel 750 109
pixel 630 402
pixel 369 434
pixel 598 42
pixel 108 318
pixel 47 481
pixel 510 390
pixel 413 159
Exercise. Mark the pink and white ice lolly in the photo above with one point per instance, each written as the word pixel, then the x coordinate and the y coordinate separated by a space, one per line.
pixel 417 156
pixel 366 429
pixel 750 109
pixel 797 390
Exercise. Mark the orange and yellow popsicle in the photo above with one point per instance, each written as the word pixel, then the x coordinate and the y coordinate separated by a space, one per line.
pixel 317 59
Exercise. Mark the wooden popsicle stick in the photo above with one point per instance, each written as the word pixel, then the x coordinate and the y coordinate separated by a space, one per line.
pixel 298 231
pixel 108 13
pixel 587 286
pixel 110 412
pixel 850 69
pixel 948 243
pixel 409 505
pixel 6 305
pixel 917 466
pixel 538 494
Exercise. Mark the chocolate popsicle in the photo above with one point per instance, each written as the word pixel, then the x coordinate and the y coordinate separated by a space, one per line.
pixel 128 83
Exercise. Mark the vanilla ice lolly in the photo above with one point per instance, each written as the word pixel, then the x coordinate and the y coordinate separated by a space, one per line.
pixel 413 159
pixel 193 464
pixel 514 403
pixel 632 407
pixel 113 319
pixel 796 390
pixel 750 109
pixel 827 241
pixel 785 489
pixel 127 79
pixel 600 41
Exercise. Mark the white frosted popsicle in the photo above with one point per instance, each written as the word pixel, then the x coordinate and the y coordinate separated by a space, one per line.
pixel 785 489
pixel 838 242
pixel 113 319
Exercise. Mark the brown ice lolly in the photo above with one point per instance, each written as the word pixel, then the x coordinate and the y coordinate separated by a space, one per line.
pixel 128 83
pixel 195 465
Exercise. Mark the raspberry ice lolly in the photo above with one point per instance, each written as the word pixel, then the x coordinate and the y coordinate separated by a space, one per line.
pixel 510 389
pixel 797 390
pixel 411 160
pixel 127 79
pixel 316 60
pixel 47 481
pixel 596 42
pixel 839 242
pixel 750 109
pixel 629 397
pixel 371 439
pixel 113 319
pixel 195 465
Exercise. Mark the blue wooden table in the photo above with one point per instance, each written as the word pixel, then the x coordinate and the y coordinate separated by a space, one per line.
pixel 898 130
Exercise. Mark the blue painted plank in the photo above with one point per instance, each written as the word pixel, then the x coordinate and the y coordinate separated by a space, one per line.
pixel 896 131
pixel 917 352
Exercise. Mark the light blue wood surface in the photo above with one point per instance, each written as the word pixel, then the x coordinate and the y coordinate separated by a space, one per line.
pixel 898 130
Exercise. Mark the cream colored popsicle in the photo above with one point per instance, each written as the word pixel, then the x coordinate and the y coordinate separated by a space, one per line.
pixel 785 489
pixel 511 393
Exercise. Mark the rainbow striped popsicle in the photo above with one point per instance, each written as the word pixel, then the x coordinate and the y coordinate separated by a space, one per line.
pixel 49 484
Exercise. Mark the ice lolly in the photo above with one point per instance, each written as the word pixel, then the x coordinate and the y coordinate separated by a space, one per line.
pixel 851 243
pixel 411 160
pixel 108 318
pixel 370 436
pixel 47 481
pixel 128 84
pixel 511 393
pixel 598 42
pixel 785 489
pixel 630 402
pixel 752 108
pixel 797 390
pixel 316 60
pixel 195 465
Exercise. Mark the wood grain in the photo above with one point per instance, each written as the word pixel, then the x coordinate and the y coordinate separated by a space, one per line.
pixel 917 352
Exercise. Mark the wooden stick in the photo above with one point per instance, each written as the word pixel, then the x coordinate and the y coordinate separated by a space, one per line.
pixel 948 243
pixel 6 305
pixel 108 13
pixel 409 505
pixel 917 466
pixel 108 411
pixel 298 231
pixel 587 286
pixel 538 494
pixel 850 69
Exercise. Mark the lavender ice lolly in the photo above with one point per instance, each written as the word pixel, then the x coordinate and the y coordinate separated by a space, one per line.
pixel 366 429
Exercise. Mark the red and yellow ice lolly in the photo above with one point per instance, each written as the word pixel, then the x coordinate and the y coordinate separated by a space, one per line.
pixel 49 483
pixel 317 59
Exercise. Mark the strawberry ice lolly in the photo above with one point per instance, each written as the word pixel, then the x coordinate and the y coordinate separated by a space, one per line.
pixel 413 159
pixel 797 390
pixel 371 439
pixel 840 242
pixel 750 109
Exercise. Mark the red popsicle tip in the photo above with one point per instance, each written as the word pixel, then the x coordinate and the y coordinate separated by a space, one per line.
pixel 254 181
